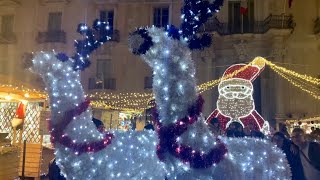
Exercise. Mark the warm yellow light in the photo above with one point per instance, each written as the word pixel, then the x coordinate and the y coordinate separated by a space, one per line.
pixel 303 77
pixel 138 102
pixel 24 102
pixel 314 94
pixel 259 61
pixel 8 98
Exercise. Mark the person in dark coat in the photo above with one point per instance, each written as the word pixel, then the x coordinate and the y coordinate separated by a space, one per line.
pixel 99 124
pixel 149 126
pixel 309 154
pixel 54 170
pixel 292 154
pixel 235 129
pixel 284 130
pixel 214 127
pixel 250 131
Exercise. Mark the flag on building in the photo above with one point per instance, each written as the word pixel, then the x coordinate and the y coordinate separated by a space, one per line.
pixel 243 7
pixel 290 3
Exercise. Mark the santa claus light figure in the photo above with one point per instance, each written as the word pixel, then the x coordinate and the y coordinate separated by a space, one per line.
pixel 235 102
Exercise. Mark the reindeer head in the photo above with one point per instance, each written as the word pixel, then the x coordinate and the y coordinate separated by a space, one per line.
pixel 194 14
pixel 168 52
pixel 58 64
pixel 61 73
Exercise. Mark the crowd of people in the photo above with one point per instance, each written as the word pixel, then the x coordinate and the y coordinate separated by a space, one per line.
pixel 235 129
pixel 302 153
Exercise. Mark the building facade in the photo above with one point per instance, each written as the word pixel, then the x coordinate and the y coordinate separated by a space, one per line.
pixel 287 36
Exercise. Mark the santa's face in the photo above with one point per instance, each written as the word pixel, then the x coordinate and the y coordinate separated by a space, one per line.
pixel 235 88
pixel 235 98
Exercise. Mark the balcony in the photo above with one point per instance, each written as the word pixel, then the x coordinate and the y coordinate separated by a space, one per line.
pixel 51 37
pixel 8 38
pixel 258 27
pixel 107 83
pixel 44 2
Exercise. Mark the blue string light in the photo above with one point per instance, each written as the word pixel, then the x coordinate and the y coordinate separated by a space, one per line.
pixel 194 14
pixel 94 38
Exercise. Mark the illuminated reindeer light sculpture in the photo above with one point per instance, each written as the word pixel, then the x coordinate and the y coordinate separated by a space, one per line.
pixel 82 152
pixel 186 146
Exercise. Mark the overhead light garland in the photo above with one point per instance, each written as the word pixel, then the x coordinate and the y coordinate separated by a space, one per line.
pixel 304 77
pixel 129 101
pixel 138 102
pixel 105 95
pixel 312 88
pixel 133 109
pixel 301 87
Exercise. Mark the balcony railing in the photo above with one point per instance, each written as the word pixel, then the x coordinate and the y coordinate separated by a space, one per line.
pixel 7 38
pixel 51 37
pixel 107 83
pixel 257 27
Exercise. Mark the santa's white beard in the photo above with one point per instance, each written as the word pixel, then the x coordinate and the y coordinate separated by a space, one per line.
pixel 235 108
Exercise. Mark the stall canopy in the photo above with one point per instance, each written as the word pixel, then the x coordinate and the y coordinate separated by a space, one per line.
pixel 15 90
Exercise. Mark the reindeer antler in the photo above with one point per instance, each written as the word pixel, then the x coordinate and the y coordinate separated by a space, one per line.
pixel 194 14
pixel 86 46
pixel 90 43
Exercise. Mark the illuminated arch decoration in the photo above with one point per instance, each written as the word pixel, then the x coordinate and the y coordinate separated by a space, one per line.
pixel 235 102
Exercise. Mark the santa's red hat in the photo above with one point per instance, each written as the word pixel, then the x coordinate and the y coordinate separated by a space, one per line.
pixel 20 113
pixel 18 120
pixel 250 73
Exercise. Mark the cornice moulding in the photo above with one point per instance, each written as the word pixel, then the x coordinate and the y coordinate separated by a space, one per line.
pixel 10 3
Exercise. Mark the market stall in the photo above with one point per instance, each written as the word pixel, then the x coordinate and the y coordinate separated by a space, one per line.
pixel 20 109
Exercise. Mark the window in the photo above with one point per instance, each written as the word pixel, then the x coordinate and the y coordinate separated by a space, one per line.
pixel 109 83
pixel 103 68
pixel 107 16
pixel 7 24
pixel 148 82
pixel 54 22
pixel 103 79
pixel 239 23
pixel 93 84
pixel 161 16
